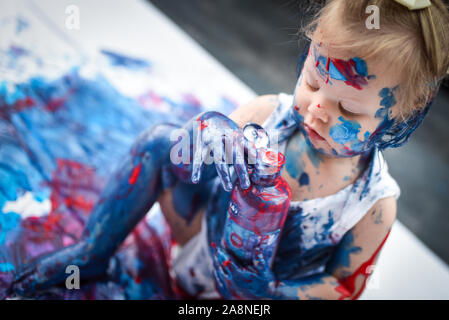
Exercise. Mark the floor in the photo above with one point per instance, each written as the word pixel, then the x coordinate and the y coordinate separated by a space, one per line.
pixel 258 41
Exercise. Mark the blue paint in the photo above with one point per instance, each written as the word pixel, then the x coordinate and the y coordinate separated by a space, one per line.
pixel 345 132
pixel 392 133
pixel 341 258
pixel 6 267
pixel 304 179
pixel 122 60
pixel 8 221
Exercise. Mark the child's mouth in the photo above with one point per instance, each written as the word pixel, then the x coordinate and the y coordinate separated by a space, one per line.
pixel 313 134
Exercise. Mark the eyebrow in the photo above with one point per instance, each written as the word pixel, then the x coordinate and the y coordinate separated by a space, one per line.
pixel 358 102
pixel 344 97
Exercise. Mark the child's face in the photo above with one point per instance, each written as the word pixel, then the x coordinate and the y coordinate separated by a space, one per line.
pixel 341 102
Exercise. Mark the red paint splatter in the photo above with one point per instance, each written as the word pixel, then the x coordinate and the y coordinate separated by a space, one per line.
pixel 236 240
pixel 18 106
pixel 203 125
pixel 318 105
pixel 213 245
pixel 135 174
pixel 226 263
pixel 138 280
pixel 296 108
pixel 347 285
pixel 346 68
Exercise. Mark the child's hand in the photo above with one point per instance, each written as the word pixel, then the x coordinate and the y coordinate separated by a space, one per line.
pixel 212 129
pixel 235 281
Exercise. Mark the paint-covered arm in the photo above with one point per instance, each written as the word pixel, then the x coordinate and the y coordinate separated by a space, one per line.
pixel 352 263
pixel 127 197
pixel 344 278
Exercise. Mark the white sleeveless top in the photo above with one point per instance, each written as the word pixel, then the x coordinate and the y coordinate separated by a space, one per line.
pixel 312 230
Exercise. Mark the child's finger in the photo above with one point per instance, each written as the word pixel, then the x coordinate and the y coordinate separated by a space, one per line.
pixel 197 159
pixel 225 176
pixel 239 163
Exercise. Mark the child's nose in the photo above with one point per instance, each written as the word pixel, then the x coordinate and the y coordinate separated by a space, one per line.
pixel 319 111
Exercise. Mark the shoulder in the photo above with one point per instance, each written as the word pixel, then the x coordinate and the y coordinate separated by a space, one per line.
pixel 256 110
pixel 382 214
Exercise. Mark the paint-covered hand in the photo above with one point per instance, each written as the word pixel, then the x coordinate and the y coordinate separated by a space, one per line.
pixel 50 269
pixel 236 281
pixel 219 139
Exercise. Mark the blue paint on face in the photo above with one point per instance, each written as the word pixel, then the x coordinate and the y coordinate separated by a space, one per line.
pixel 361 66
pixel 345 132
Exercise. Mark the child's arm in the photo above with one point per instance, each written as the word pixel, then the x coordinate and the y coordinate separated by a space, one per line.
pixel 345 275
pixel 354 260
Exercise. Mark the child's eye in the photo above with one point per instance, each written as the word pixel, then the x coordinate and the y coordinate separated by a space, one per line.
pixel 345 111
pixel 311 87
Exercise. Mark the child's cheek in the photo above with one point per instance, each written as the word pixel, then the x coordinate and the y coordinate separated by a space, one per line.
pixel 352 136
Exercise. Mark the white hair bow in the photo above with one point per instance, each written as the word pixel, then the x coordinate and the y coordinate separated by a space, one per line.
pixel 415 4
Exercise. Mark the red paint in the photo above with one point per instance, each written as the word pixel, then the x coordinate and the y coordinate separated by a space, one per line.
pixel 296 108
pixel 236 240
pixel 317 63
pixel 135 174
pixel 56 103
pixel 213 245
pixel 226 263
pixel 138 280
pixel 347 285
pixel 346 68
pixel 318 105
pixel 23 104
pixel 80 202
pixel 203 123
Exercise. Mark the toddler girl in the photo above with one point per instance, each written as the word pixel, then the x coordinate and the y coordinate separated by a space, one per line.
pixel 359 91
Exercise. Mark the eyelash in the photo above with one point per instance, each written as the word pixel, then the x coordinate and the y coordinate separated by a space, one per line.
pixel 346 112
pixel 310 87
pixel 342 109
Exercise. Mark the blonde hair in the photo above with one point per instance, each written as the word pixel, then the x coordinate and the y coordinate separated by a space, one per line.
pixel 414 42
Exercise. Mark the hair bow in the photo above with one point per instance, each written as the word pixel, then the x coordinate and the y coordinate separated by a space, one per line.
pixel 415 4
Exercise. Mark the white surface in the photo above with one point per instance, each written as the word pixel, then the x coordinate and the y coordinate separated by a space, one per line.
pixel 406 268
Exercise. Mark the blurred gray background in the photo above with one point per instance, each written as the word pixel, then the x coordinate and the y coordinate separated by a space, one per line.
pixel 257 40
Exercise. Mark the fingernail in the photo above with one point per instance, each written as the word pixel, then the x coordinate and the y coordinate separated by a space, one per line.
pixel 246 183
